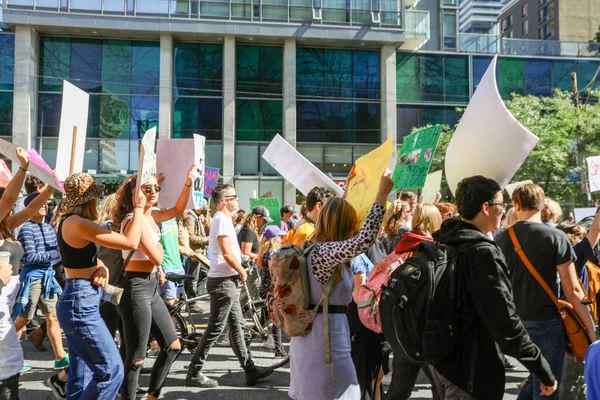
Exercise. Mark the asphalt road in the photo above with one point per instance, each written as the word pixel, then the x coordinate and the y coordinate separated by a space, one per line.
pixel 221 365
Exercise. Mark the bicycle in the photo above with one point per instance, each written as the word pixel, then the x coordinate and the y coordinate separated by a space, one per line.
pixel 253 307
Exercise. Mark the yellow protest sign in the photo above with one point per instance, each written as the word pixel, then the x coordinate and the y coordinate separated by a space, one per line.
pixel 364 177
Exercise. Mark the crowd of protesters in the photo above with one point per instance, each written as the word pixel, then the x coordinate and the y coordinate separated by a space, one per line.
pixel 59 266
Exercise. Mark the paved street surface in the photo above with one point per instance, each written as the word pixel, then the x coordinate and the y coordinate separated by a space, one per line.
pixel 223 366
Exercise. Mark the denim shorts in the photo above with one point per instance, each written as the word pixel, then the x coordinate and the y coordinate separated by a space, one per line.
pixel 169 290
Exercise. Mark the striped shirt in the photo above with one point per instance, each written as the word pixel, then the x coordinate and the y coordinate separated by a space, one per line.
pixel 39 244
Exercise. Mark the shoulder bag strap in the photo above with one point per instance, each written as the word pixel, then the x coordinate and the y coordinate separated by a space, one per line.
pixel 531 268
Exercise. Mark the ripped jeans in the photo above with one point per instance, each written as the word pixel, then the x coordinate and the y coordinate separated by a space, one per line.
pixel 143 312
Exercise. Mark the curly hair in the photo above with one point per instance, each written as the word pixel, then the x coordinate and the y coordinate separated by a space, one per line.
pixel 317 195
pixel 266 245
pixel 250 222
pixel 124 202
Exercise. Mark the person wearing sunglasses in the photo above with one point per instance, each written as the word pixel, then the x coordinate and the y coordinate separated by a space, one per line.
pixel 141 307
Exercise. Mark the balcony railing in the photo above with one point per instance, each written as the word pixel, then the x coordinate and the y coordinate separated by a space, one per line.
pixel 386 13
pixel 491 44
pixel 417 29
pixel 476 43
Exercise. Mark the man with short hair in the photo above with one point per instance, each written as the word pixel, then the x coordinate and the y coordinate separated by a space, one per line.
pixel 315 200
pixel 39 288
pixel 286 218
pixel 488 316
pixel 549 251
pixel 223 286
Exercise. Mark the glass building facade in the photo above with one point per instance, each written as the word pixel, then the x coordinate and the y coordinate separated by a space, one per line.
pixel 7 71
pixel 122 79
pixel 338 96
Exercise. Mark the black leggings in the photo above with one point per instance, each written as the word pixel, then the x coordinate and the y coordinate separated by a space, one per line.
pixel 144 312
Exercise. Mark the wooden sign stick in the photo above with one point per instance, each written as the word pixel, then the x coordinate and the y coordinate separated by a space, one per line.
pixel 73 149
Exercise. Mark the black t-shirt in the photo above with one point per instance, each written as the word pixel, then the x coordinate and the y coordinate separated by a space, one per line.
pixel 248 235
pixel 546 248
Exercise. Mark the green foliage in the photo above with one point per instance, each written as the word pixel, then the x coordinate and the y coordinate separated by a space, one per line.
pixel 554 120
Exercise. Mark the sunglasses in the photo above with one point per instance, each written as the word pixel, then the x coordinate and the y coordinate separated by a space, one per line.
pixel 234 197
pixel 148 189
pixel 503 205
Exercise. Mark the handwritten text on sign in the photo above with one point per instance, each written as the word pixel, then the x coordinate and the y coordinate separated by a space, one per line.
pixel 415 158
pixel 211 178
pixel 594 173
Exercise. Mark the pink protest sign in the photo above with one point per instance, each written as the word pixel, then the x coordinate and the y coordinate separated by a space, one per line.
pixel 211 177
pixel 40 169
pixel 5 174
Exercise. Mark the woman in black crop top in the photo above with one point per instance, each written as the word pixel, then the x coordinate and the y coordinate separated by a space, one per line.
pixel 88 339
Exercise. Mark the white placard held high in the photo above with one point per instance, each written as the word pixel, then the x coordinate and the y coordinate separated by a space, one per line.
pixel 199 161
pixel 488 141
pixel 146 162
pixel 593 164
pixel 432 186
pixel 581 213
pixel 296 169
pixel 174 157
pixel 73 127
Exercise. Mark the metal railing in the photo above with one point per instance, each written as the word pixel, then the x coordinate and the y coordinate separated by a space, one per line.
pixel 417 24
pixel 327 12
pixel 492 44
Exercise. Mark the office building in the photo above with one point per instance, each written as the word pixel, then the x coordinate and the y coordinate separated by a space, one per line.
pixel 334 79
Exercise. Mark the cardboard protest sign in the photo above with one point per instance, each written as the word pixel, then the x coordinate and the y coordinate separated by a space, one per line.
pixel 364 178
pixel 174 157
pixel 581 213
pixel 211 178
pixel 199 161
pixel 296 169
pixel 432 186
pixel 510 188
pixel 37 166
pixel 271 204
pixel 72 132
pixel 5 174
pixel 594 173
pixel 488 141
pixel 266 194
pixel 415 158
pixel 147 160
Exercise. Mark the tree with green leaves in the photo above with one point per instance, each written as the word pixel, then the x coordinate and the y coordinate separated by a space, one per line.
pixel 554 120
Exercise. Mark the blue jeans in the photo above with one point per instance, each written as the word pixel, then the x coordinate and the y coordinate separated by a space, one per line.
pixel 550 337
pixel 96 370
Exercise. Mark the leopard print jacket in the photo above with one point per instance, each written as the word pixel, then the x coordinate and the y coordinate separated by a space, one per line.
pixel 326 256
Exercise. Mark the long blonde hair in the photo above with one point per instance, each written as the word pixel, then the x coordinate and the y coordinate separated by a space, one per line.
pixel 107 208
pixel 337 221
pixel 266 245
pixel 250 222
pixel 426 219
pixel 87 210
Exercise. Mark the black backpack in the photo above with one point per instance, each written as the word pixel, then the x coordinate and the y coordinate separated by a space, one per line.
pixel 418 306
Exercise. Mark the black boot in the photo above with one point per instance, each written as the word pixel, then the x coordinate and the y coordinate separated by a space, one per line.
pixel 255 374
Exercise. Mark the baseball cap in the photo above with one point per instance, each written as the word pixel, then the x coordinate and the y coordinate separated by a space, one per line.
pixel 286 209
pixel 263 212
pixel 271 231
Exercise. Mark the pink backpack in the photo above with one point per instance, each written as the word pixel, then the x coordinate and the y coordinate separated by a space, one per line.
pixel 368 294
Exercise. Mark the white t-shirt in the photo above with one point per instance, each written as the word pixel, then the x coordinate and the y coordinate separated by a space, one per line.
pixel 222 226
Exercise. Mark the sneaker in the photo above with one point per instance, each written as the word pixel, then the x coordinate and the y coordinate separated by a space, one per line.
pixel 25 368
pixel 59 389
pixel 255 374
pixel 281 353
pixel 198 379
pixel 508 366
pixel 197 309
pixel 224 343
pixel 270 342
pixel 62 363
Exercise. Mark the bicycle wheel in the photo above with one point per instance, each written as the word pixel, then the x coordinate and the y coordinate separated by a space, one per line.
pixel 189 340
pixel 266 349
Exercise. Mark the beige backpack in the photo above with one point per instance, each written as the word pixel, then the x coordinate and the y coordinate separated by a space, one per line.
pixel 288 299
